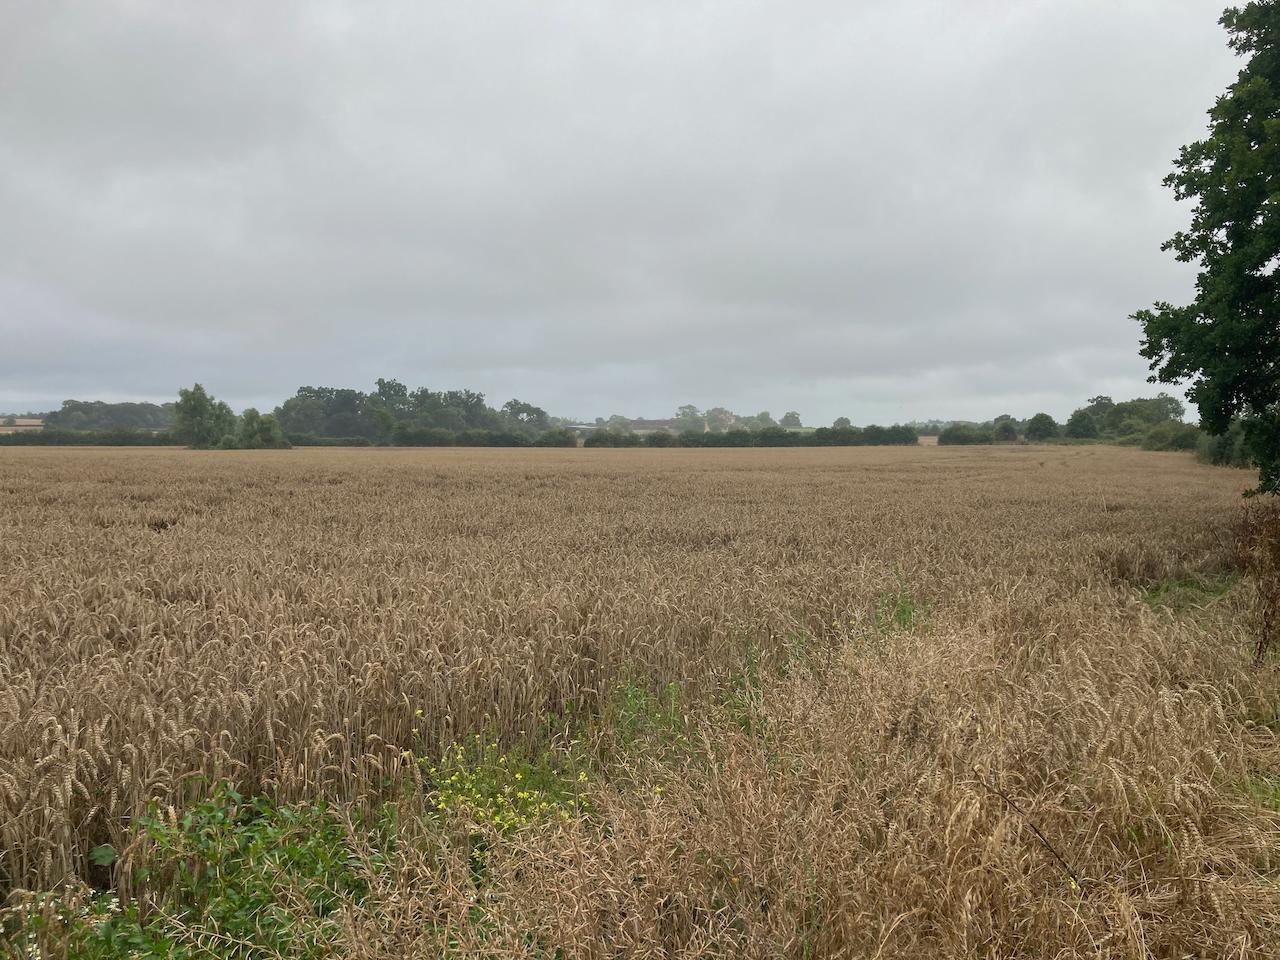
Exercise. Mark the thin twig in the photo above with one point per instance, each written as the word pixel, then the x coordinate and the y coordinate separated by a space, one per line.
pixel 1067 868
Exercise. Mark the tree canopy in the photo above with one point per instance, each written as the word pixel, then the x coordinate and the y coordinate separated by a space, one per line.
pixel 1081 425
pixel 98 415
pixel 393 411
pixel 1041 427
pixel 1227 340
pixel 200 420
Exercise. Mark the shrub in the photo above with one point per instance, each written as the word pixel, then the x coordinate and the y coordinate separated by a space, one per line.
pixel 692 438
pixel 1081 426
pixel 311 440
pixel 1172 435
pixel 1258 556
pixel 611 438
pixel 259 431
pixel 556 438
pixel 489 438
pixel 407 435
pixel 1226 450
pixel 93 438
pixel 901 435
pixel 872 435
pixel 1041 427
pixel 237 871
pixel 730 438
pixel 965 434
pixel 1005 432
pixel 774 437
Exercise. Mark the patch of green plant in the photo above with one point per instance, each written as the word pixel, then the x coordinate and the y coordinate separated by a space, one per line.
pixel 742 698
pixel 1265 713
pixel 637 715
pixel 503 789
pixel 45 924
pixel 898 611
pixel 1265 790
pixel 1187 593
pixel 1140 835
pixel 237 878
pixel 799 648
pixel 507 788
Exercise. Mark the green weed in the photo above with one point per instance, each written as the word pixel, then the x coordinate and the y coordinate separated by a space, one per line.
pixel 637 716
pixel 1188 593
pixel 506 788
pixel 898 611
pixel 1265 790
pixel 241 878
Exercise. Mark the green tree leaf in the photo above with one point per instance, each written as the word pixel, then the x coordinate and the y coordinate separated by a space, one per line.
pixel 103 855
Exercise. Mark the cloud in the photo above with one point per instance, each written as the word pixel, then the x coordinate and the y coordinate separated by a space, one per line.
pixel 880 210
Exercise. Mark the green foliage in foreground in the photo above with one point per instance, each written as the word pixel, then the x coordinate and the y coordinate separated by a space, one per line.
pixel 242 878
pixel 238 877
pixel 503 788
pixel 637 715
pixel 246 878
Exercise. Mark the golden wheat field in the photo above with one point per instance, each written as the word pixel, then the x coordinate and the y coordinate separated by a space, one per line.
pixel 917 702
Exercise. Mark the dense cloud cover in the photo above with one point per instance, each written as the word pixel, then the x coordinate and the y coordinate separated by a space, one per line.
pixel 886 210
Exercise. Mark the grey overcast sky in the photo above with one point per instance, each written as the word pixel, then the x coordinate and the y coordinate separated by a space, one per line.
pixel 885 209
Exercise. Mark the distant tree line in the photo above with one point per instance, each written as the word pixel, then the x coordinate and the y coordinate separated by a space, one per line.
pixel 80 422
pixel 690 418
pixel 97 438
pixel 1126 422
pixel 439 437
pixel 88 415
pixel 394 414
pixel 1153 423
pixel 329 416
pixel 776 436
pixel 196 419
pixel 720 421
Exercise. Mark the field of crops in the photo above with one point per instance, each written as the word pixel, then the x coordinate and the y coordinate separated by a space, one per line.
pixel 894 702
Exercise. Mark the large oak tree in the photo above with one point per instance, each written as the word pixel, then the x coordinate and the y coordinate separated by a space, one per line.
pixel 1227 340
